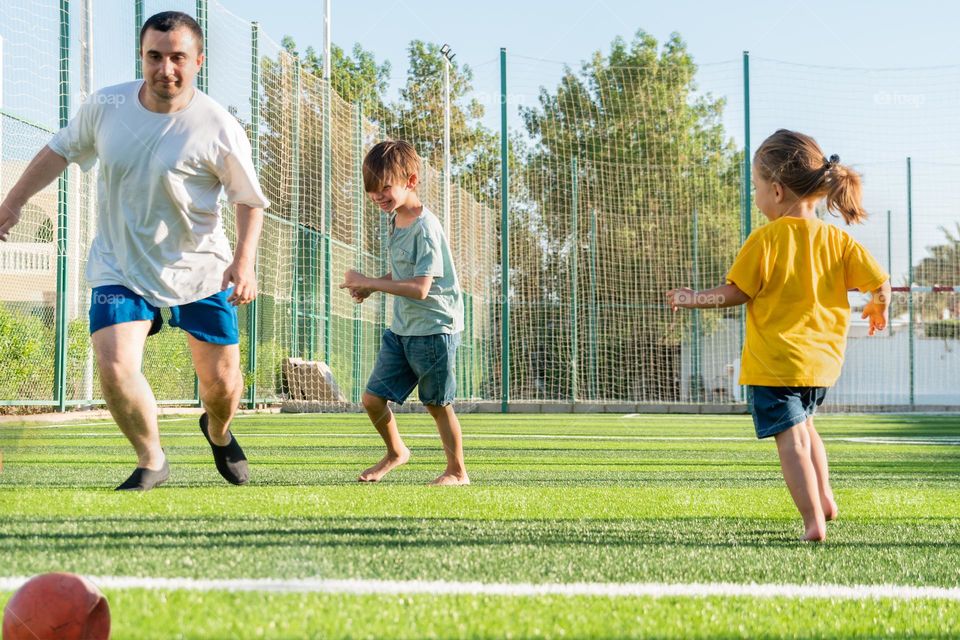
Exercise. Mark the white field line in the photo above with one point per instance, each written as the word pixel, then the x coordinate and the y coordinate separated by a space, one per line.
pixel 930 440
pixel 439 587
pixel 431 436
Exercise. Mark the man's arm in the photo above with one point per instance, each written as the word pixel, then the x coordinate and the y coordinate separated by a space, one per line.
pixel 242 272
pixel 41 171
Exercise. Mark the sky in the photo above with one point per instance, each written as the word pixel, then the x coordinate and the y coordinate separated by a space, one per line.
pixel 859 90
pixel 874 82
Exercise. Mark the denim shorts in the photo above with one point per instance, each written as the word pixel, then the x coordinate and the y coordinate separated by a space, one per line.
pixel 212 319
pixel 776 409
pixel 425 362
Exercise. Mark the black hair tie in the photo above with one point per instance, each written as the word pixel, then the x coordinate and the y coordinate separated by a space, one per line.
pixel 831 162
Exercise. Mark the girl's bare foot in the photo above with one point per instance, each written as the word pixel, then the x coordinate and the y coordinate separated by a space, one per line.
pixel 385 466
pixel 815 533
pixel 830 511
pixel 448 479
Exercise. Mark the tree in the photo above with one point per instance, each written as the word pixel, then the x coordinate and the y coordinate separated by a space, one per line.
pixel 649 151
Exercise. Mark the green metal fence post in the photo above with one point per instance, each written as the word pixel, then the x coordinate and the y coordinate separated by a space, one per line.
pixel 254 308
pixel 138 24
pixel 910 310
pixel 747 161
pixel 594 386
pixel 574 289
pixel 695 369
pixel 359 236
pixel 746 222
pixel 295 211
pixel 203 78
pixel 63 185
pixel 384 266
pixel 504 242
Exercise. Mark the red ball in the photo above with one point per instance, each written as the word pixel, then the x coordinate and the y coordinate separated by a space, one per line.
pixel 57 606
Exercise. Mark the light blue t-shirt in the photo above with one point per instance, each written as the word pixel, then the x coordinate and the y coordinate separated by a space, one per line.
pixel 422 250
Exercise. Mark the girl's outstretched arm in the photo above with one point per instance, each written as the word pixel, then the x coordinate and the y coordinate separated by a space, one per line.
pixel 876 309
pixel 727 295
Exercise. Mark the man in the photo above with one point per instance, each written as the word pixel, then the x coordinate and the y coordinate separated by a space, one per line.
pixel 167 152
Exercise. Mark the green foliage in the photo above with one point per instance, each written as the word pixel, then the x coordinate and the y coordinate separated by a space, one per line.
pixel 940 267
pixel 946 329
pixel 650 151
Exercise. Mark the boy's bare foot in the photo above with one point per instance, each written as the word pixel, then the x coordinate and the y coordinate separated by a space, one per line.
pixel 448 479
pixel 830 511
pixel 816 533
pixel 385 466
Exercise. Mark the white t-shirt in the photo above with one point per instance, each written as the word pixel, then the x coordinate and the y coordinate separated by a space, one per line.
pixel 159 228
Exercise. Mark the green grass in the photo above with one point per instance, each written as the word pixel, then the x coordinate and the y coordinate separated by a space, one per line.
pixel 676 499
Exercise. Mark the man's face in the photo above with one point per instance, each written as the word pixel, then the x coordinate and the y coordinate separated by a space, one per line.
pixel 171 59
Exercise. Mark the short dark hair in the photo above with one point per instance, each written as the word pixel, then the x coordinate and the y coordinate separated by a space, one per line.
pixel 170 20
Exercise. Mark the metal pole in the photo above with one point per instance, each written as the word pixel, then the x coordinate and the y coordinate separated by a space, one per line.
pixel 889 246
pixel 254 307
pixel 138 24
pixel 89 181
pixel 695 373
pixel 359 236
pixel 446 147
pixel 746 221
pixel 327 193
pixel 910 311
pixel 574 289
pixel 60 325
pixel 594 385
pixel 747 160
pixel 295 211
pixel 326 39
pixel 203 78
pixel 504 242
pixel 327 238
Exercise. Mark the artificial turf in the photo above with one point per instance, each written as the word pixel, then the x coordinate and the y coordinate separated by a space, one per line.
pixel 555 499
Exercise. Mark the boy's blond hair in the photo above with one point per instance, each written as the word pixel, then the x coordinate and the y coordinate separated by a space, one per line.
pixel 389 161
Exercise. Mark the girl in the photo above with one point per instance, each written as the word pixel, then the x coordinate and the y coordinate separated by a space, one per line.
pixel 793 274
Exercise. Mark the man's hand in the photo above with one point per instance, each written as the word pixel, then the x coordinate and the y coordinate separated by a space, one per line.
pixel 680 298
pixel 9 216
pixel 877 313
pixel 244 279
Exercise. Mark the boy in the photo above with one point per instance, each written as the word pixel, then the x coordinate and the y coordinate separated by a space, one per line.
pixel 419 348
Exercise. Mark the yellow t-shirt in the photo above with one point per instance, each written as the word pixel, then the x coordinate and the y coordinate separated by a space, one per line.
pixel 797 272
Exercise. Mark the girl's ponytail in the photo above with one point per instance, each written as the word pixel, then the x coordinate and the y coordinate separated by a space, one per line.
pixel 844 191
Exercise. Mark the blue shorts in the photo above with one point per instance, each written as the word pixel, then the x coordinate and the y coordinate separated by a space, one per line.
pixel 425 362
pixel 211 320
pixel 776 409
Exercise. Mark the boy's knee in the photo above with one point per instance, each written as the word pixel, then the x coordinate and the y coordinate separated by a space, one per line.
pixel 372 402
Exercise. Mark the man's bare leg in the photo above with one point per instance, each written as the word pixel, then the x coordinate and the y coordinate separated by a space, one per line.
pixel 119 352
pixel 221 384
pixel 818 454
pixel 449 428
pixel 221 387
pixel 386 425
